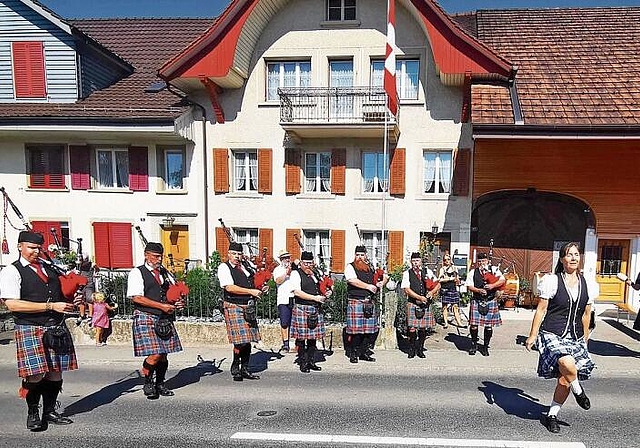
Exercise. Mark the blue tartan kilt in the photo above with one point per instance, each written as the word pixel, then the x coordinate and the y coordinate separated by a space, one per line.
pixel 552 347
pixel 356 322
pixel 145 340
pixel 449 296
pixel 428 321
pixel 299 327
pixel 238 330
pixel 492 319
pixel 33 358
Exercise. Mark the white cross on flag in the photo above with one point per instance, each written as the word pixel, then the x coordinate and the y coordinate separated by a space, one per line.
pixel 390 59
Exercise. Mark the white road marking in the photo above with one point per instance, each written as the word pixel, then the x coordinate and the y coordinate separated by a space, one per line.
pixel 420 441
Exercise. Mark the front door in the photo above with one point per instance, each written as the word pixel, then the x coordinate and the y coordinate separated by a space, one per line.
pixel 613 257
pixel 176 243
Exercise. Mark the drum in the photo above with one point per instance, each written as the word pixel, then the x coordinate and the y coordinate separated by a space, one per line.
pixel 512 285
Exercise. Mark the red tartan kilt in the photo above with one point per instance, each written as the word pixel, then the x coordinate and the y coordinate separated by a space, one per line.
pixel 299 327
pixel 428 321
pixel 238 330
pixel 356 322
pixel 492 319
pixel 145 340
pixel 33 358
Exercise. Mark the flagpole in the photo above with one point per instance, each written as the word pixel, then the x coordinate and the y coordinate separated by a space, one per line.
pixel 386 166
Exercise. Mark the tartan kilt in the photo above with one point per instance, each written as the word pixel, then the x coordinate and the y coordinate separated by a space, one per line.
pixel 299 328
pixel 449 296
pixel 33 358
pixel 427 321
pixel 492 319
pixel 552 347
pixel 238 330
pixel 146 341
pixel 356 322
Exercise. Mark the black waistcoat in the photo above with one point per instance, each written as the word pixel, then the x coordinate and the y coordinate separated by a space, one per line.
pixel 153 290
pixel 416 284
pixel 358 293
pixel 480 282
pixel 308 283
pixel 564 316
pixel 239 279
pixel 33 289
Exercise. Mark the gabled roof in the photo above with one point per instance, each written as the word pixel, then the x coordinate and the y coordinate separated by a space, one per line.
pixel 223 53
pixel 145 44
pixel 577 67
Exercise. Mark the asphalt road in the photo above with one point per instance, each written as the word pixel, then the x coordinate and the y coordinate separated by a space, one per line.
pixel 446 397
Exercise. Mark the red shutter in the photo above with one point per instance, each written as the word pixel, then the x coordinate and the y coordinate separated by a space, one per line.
pixel 222 243
pixel 112 244
pixel 28 70
pixel 338 171
pixel 292 171
pixel 396 249
pixel 292 246
pixel 337 250
pixel 265 239
pixel 101 244
pixel 397 168
pixel 47 168
pixel 221 171
pixel 79 164
pixel 461 171
pixel 138 168
pixel 265 170
pixel 44 227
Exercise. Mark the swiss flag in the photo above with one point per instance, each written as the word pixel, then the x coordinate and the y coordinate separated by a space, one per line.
pixel 390 59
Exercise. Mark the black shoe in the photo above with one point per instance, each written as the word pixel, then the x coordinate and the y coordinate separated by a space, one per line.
pixel 248 375
pixel 369 352
pixel 304 368
pixel 149 390
pixel 56 419
pixel 33 420
pixel 473 349
pixel 551 422
pixel 163 390
pixel 367 358
pixel 353 359
pixel 582 400
pixel 314 367
pixel 420 354
pixel 484 350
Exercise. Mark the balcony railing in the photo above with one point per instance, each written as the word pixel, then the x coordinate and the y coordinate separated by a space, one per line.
pixel 333 105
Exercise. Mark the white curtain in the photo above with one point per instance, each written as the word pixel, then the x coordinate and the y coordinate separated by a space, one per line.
pixel 273 81
pixel 368 185
pixel 240 172
pixel 384 184
pixel 445 172
pixel 311 184
pixel 122 168
pixel 105 169
pixel 326 184
pixel 429 171
pixel 253 171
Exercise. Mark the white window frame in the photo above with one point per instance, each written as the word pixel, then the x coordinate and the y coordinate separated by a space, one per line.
pixel 343 10
pixel 302 78
pixel 405 88
pixel 165 155
pixel 318 183
pixel 114 172
pixel 313 239
pixel 439 186
pixel 376 250
pixel 378 184
pixel 250 155
pixel 247 237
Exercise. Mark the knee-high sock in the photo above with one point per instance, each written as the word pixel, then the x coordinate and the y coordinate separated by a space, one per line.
pixel 161 370
pixel 488 332
pixel 32 394
pixel 311 351
pixel 474 334
pixel 50 391
pixel 148 368
pixel 245 354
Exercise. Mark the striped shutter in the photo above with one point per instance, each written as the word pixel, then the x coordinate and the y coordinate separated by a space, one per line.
pixel 292 171
pixel 396 249
pixel 79 166
pixel 138 168
pixel 265 239
pixel 397 168
pixel 44 227
pixel 46 168
pixel 222 243
pixel 28 70
pixel 101 244
pixel 337 250
pixel 338 171
pixel 292 246
pixel 221 171
pixel 265 170
pixel 461 172
pixel 112 244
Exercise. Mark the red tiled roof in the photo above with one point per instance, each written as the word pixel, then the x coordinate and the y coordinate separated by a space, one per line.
pixel 576 66
pixel 145 44
pixel 491 104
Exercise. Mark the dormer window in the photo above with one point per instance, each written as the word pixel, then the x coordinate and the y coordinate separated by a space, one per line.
pixel 29 76
pixel 341 10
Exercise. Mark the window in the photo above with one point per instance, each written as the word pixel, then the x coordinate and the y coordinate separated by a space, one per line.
pixel 245 170
pixel 249 240
pixel 317 168
pixel 45 166
pixel 317 242
pixel 171 162
pixel 29 75
pixel 341 10
pixel 376 248
pixel 407 74
pixel 287 74
pixel 341 76
pixel 113 168
pixel 112 245
pixel 437 172
pixel 375 172
pixel 47 229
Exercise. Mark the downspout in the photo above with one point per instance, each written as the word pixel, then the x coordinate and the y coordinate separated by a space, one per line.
pixel 515 100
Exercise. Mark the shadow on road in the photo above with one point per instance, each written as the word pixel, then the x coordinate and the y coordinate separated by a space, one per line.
pixel 623 328
pixel 105 395
pixel 260 359
pixel 191 375
pixel 462 343
pixel 512 401
pixel 604 348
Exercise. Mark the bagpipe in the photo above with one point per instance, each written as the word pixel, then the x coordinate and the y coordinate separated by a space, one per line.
pixel 70 282
pixel 489 277
pixel 378 273
pixel 325 282
pixel 177 291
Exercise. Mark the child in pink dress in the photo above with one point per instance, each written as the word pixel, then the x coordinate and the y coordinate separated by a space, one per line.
pixel 100 319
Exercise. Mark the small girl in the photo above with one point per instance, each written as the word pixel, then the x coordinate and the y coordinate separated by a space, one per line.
pixel 100 319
